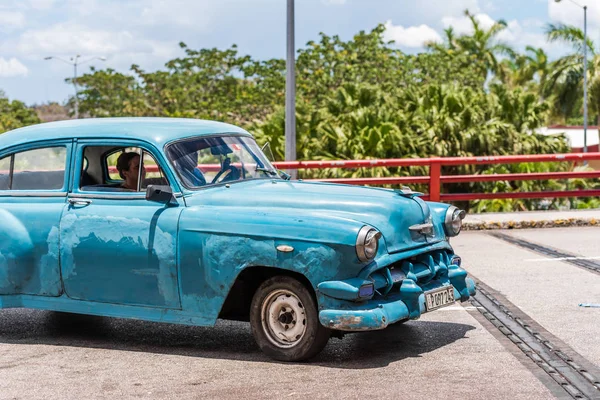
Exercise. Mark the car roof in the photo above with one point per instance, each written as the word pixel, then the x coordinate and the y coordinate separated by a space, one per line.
pixel 157 131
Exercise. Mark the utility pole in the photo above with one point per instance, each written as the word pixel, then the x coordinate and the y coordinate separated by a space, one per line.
pixel 290 91
pixel 74 61
pixel 585 105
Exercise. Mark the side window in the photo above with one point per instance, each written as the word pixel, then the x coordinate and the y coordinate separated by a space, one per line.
pixel 5 173
pixel 111 169
pixel 39 169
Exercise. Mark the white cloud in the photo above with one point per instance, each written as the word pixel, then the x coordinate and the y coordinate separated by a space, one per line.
pixel 41 4
pixel 86 8
pixel 11 20
pixel 462 25
pixel 412 36
pixel 431 11
pixel 161 12
pixel 568 13
pixel 69 39
pixel 196 15
pixel 489 6
pixel 515 34
pixel 334 2
pixel 12 67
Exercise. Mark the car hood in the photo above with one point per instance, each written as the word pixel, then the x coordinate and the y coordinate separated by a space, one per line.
pixel 391 212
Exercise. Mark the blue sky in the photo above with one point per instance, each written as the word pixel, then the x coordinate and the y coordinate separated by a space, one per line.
pixel 146 32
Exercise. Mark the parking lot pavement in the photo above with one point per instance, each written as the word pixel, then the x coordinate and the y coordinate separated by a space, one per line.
pixel 581 241
pixel 549 291
pixel 563 215
pixel 445 354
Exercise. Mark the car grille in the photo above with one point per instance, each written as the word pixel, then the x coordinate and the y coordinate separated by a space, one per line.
pixel 422 269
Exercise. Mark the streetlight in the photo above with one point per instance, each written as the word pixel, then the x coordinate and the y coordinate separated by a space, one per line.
pixel 290 91
pixel 585 108
pixel 74 61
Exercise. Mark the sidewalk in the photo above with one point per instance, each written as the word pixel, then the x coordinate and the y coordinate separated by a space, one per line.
pixel 532 219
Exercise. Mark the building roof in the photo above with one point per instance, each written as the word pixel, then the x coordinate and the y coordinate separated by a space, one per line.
pixel 157 131
pixel 573 133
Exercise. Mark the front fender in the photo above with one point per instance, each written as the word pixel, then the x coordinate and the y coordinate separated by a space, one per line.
pixel 216 244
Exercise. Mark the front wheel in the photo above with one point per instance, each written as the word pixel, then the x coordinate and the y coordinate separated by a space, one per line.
pixel 285 321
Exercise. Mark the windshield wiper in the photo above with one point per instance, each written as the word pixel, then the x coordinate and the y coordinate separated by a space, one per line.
pixel 268 171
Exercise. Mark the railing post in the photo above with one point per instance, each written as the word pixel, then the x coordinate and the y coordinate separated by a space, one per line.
pixel 435 172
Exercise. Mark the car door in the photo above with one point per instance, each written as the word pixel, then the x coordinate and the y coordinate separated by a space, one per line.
pixel 116 246
pixel 33 189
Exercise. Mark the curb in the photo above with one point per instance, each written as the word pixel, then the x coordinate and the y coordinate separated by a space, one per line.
pixel 556 223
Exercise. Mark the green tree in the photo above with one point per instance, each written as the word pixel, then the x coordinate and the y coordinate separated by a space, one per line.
pixel 205 83
pixel 15 114
pixel 565 82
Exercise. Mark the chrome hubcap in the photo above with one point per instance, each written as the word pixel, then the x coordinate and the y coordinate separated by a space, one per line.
pixel 283 318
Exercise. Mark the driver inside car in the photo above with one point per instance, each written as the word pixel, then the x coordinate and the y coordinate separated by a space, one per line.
pixel 128 165
pixel 228 172
pixel 188 167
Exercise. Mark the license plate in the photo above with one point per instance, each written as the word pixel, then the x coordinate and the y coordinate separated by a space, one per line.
pixel 439 298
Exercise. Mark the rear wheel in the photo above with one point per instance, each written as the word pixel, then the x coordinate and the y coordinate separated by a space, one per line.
pixel 285 321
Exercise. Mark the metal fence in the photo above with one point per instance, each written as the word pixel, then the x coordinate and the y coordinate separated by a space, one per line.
pixel 435 179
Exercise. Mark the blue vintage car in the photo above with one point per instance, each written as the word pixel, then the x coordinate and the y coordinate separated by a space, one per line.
pixel 187 221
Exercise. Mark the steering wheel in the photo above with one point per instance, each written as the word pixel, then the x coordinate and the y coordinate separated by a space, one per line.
pixel 228 172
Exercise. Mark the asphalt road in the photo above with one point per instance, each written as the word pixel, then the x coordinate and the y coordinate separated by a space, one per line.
pixel 452 353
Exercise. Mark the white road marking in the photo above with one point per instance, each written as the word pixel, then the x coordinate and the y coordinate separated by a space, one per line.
pixel 562 259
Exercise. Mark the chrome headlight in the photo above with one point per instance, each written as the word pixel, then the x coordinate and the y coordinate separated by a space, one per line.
pixel 453 221
pixel 367 243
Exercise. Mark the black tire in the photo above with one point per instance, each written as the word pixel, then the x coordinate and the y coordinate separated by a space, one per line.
pixel 269 299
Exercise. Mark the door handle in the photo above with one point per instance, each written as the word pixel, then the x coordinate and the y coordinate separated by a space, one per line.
pixel 79 202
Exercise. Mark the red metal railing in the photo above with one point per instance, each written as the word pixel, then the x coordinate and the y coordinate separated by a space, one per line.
pixel 435 179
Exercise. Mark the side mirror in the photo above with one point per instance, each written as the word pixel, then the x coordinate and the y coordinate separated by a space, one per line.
pixel 160 194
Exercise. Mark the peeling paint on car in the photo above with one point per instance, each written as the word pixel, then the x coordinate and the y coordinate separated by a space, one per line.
pixel 27 265
pixel 49 265
pixel 122 241
pixel 224 256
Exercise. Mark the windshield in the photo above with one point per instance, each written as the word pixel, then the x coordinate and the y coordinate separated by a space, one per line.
pixel 206 161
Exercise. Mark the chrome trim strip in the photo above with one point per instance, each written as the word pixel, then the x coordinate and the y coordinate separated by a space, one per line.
pixel 137 196
pixel 27 193
pixel 106 196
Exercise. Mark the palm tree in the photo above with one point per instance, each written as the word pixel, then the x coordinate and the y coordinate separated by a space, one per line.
pixel 565 81
pixel 449 42
pixel 529 70
pixel 537 64
pixel 482 44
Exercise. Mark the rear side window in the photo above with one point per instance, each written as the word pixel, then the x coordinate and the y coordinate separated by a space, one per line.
pixel 39 169
pixel 5 172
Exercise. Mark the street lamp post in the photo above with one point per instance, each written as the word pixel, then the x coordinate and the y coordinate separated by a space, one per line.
pixel 585 105
pixel 290 91
pixel 74 61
